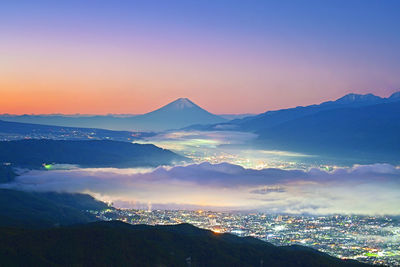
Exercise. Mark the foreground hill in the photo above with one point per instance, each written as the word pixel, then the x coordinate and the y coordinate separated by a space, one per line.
pixel 33 210
pixel 120 244
pixel 27 238
pixel 34 153
pixel 177 114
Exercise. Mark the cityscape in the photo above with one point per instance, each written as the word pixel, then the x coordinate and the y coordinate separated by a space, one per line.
pixel 369 239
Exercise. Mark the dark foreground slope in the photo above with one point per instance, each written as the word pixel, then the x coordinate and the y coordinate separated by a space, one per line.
pixel 29 209
pixel 27 240
pixel 100 153
pixel 119 244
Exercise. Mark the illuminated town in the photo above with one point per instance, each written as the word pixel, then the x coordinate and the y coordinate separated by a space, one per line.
pixel 68 133
pixel 364 238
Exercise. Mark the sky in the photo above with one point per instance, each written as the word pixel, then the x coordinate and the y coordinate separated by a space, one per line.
pixel 99 57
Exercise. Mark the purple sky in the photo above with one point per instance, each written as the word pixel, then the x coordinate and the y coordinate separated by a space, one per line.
pixel 227 56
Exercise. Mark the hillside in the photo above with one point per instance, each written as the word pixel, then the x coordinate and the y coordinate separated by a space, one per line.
pixel 120 244
pixel 39 210
pixel 34 153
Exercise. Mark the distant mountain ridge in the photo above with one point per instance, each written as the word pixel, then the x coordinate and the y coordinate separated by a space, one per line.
pixel 236 116
pixel 367 99
pixel 177 114
pixel 368 134
pixel 275 117
pixel 355 128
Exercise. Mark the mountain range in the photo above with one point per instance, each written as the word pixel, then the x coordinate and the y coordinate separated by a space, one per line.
pixel 362 127
pixel 33 153
pixel 177 114
pixel 365 128
pixel 368 134
pixel 275 117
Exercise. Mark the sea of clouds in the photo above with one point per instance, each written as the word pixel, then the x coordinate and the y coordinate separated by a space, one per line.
pixel 362 189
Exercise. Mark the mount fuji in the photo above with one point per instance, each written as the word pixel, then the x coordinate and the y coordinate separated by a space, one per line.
pixel 177 114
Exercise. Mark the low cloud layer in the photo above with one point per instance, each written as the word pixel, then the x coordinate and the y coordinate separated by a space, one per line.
pixel 226 146
pixel 367 189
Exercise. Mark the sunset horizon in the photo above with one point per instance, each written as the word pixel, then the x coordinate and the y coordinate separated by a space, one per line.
pixel 229 58
pixel 155 107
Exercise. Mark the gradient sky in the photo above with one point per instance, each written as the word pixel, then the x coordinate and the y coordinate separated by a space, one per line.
pixel 227 56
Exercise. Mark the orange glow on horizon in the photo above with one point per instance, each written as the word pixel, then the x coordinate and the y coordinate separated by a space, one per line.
pixel 98 80
pixel 133 58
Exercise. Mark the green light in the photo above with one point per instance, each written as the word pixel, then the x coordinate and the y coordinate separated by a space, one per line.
pixel 47 166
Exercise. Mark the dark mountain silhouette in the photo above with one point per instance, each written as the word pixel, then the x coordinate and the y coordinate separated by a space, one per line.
pixel 272 118
pixel 119 244
pixel 40 210
pixel 33 153
pixel 366 133
pixel 177 114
